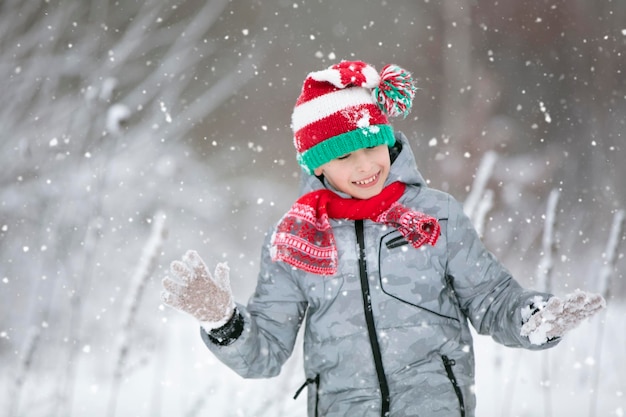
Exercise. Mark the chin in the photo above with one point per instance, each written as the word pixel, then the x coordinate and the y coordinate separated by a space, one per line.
pixel 365 194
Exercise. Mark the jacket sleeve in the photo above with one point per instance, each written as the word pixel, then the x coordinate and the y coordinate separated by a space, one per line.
pixel 271 321
pixel 487 293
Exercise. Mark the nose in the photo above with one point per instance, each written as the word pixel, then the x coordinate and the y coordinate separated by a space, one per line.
pixel 362 162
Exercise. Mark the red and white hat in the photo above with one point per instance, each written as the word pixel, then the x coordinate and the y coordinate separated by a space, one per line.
pixel 345 108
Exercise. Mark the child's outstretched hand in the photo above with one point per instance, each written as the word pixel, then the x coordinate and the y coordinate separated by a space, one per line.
pixel 208 299
pixel 560 315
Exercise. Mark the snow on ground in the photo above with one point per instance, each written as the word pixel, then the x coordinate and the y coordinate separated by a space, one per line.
pixel 184 379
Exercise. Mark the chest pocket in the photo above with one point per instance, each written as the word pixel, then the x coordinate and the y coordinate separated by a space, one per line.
pixel 413 276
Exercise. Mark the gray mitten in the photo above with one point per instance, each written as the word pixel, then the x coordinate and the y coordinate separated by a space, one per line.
pixel 208 299
pixel 558 316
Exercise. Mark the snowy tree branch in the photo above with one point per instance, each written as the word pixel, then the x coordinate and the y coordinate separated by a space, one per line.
pixel 138 282
pixel 548 244
pixel 485 205
pixel 610 254
pixel 24 367
pixel 483 174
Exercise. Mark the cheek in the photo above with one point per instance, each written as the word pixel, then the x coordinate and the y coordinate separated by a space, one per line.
pixel 338 171
pixel 384 164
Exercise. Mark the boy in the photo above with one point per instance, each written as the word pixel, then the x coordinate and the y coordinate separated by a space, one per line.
pixel 384 271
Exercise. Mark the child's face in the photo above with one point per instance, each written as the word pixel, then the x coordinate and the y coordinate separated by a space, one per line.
pixel 361 174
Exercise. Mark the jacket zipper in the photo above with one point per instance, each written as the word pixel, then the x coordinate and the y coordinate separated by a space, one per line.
pixel 309 381
pixel 448 364
pixel 369 319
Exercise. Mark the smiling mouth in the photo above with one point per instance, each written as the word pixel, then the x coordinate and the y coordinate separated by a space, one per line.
pixel 368 181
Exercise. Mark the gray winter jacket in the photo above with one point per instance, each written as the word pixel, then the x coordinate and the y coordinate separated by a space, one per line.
pixel 390 330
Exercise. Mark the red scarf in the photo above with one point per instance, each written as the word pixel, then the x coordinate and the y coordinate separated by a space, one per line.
pixel 304 237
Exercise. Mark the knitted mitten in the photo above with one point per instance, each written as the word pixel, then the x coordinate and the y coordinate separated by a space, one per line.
pixel 557 316
pixel 209 299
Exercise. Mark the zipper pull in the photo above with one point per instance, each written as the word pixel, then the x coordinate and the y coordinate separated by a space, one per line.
pixel 307 382
pixel 447 361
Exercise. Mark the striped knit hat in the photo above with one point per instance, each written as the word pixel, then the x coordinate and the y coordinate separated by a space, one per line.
pixel 345 108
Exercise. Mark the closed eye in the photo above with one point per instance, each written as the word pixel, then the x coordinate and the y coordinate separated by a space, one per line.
pixel 344 156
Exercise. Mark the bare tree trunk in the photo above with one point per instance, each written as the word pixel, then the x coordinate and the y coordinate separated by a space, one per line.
pixel 484 206
pixel 606 272
pixel 548 245
pixel 25 365
pixel 544 283
pixel 480 183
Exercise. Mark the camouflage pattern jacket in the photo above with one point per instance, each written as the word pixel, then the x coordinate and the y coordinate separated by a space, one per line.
pixel 389 333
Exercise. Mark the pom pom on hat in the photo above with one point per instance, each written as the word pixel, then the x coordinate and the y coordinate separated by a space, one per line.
pixel 343 108
pixel 395 91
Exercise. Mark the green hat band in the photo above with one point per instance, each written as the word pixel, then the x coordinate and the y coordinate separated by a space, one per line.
pixel 332 148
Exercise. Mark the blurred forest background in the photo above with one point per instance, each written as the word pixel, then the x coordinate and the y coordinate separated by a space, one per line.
pixel 134 130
